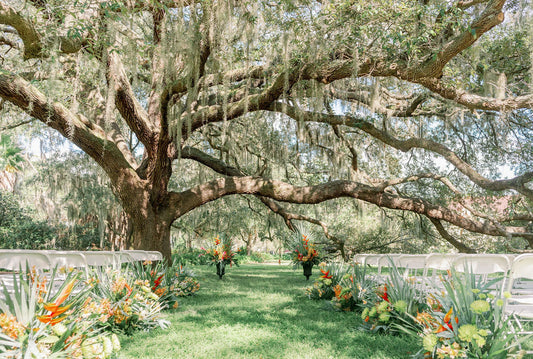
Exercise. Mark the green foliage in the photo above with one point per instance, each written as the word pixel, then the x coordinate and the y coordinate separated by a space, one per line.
pixel 10 155
pixel 187 256
pixel 19 230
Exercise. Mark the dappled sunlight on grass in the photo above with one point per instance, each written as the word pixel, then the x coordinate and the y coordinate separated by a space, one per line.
pixel 259 311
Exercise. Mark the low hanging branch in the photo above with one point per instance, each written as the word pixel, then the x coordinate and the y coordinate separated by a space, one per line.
pixel 461 247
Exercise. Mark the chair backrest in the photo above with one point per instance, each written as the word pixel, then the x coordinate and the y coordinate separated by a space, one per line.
pixel 67 259
pixel 522 267
pixel 124 257
pixel 138 255
pixel 100 258
pixel 440 261
pixel 154 256
pixel 359 258
pixel 412 261
pixel 386 260
pixel 17 259
pixel 482 263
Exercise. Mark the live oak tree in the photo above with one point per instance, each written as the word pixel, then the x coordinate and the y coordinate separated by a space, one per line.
pixel 408 105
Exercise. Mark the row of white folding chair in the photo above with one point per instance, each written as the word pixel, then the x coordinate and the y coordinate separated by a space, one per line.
pixel 14 259
pixel 479 263
pixel 432 265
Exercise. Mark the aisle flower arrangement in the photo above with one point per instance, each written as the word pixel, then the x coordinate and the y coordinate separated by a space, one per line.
pixel 466 322
pixel 221 253
pixel 354 291
pixel 37 321
pixel 80 318
pixel 303 252
pixel 168 282
pixel 331 276
pixel 129 303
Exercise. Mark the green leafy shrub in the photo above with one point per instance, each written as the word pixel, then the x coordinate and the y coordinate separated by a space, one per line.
pixel 395 304
pixel 193 256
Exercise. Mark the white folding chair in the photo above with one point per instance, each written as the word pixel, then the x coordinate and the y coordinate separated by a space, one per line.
pixel 18 259
pixel 519 306
pixel 413 266
pixel 373 260
pixel 123 257
pixel 137 255
pixel 437 264
pixel 483 265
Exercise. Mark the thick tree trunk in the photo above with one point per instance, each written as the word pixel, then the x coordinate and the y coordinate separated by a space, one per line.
pixel 150 220
pixel 152 234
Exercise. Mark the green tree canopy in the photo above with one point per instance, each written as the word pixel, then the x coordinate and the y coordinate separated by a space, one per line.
pixel 408 105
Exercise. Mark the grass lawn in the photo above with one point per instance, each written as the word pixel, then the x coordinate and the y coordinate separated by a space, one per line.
pixel 260 311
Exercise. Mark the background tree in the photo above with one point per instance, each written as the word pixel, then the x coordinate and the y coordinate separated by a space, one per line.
pixel 297 101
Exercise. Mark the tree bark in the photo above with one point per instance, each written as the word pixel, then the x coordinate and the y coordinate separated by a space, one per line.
pixel 151 230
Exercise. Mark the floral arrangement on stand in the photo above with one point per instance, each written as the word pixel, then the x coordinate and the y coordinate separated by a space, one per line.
pixel 303 252
pixel 221 254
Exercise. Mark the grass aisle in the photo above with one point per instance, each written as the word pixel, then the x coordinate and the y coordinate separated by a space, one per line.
pixel 260 311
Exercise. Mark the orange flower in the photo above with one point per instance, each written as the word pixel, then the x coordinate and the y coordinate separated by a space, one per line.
pixel 385 296
pixel 325 274
pixel 55 308
pixel 337 289
pixel 49 319
pixel 157 282
pixel 447 320
pixel 217 241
